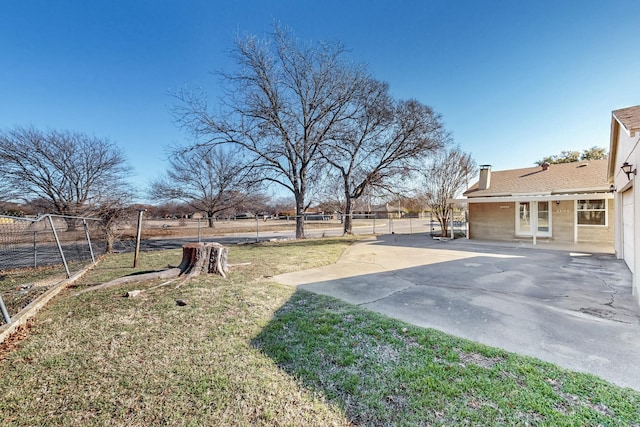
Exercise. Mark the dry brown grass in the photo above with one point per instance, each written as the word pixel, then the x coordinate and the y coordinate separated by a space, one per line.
pixel 102 359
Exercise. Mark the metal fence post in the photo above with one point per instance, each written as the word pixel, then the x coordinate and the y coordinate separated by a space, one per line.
pixel 86 232
pixel 5 313
pixel 257 230
pixel 55 235
pixel 138 233
pixel 35 249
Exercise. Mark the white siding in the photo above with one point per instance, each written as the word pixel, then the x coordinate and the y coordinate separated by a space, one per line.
pixel 628 228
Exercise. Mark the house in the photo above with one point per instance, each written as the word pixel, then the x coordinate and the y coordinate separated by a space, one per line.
pixel 383 211
pixel 624 158
pixel 563 203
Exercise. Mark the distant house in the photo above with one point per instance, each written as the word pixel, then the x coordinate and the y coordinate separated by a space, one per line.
pixel 566 202
pixel 383 211
pixel 624 159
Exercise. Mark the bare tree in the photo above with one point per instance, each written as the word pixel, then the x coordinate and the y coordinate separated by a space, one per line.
pixel 115 211
pixel 445 175
pixel 331 194
pixel 280 105
pixel 381 141
pixel 255 203
pixel 63 168
pixel 7 194
pixel 208 179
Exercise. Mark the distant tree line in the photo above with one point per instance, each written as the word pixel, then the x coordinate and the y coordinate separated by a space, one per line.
pixel 568 156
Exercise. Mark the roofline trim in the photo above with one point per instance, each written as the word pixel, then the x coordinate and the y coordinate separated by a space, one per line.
pixel 544 198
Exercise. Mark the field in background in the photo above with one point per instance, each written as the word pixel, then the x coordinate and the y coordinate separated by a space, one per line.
pixel 153 228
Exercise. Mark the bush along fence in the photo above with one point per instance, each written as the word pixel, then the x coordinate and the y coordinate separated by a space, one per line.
pixel 38 253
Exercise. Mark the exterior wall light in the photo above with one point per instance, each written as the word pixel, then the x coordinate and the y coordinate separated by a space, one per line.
pixel 628 169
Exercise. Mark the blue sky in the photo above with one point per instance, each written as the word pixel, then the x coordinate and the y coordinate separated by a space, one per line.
pixel 514 80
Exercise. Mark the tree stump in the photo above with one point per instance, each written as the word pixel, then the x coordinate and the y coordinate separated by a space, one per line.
pixel 196 258
pixel 204 257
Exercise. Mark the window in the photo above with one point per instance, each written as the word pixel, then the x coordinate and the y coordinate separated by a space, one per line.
pixel 544 226
pixel 592 212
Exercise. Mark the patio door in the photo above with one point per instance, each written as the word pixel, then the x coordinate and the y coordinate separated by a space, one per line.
pixel 533 216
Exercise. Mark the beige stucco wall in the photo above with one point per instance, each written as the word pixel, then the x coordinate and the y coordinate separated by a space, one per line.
pixel 492 221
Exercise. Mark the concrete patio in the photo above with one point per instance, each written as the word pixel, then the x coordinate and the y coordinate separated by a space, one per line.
pixel 568 305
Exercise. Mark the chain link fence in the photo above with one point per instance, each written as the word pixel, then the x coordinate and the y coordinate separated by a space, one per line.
pixel 38 253
pixel 261 227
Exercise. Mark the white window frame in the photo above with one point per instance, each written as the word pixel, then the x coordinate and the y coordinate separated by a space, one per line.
pixel 606 213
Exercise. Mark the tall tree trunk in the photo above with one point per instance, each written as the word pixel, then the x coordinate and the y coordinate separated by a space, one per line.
pixel 299 216
pixel 443 219
pixel 71 223
pixel 348 217
pixel 109 241
pixel 210 220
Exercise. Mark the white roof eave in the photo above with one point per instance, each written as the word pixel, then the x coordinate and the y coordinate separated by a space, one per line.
pixel 530 198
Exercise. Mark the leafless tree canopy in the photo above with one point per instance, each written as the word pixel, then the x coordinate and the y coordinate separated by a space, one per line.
pixel 281 103
pixel 208 179
pixel 300 112
pixel 115 211
pixel 382 140
pixel 70 171
pixel 445 176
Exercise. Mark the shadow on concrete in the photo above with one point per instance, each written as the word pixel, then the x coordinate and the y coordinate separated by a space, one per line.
pixel 572 309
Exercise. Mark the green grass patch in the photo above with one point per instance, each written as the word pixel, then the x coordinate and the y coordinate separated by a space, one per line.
pixel 384 372
pixel 246 351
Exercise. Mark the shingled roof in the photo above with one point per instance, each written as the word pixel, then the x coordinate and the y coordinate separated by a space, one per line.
pixel 629 118
pixel 562 178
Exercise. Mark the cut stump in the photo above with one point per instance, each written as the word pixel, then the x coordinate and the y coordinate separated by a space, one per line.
pixel 196 258
pixel 204 258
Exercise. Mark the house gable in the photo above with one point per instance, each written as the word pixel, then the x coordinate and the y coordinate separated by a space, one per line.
pixel 625 125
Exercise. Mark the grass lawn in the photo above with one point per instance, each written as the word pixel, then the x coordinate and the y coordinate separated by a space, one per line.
pixel 246 351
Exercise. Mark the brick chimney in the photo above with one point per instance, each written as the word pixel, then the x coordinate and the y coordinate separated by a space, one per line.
pixel 485 177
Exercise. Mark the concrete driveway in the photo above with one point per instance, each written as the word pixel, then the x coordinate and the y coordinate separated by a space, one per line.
pixel 572 307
